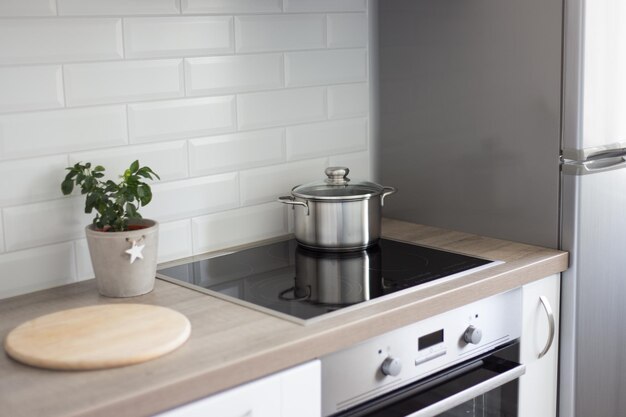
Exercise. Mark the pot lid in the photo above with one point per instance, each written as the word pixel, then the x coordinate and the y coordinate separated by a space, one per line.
pixel 337 187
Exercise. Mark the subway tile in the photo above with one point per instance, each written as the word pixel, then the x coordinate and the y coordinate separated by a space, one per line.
pixel 279 32
pixel 193 197
pixel 236 73
pixel 114 82
pixel 347 30
pixel 117 7
pixel 265 184
pixel 29 180
pixel 231 6
pixel 236 227
pixel 176 119
pixel 168 160
pixel 49 132
pixel 359 164
pixel 348 100
pixel 275 108
pixel 31 88
pixel 36 269
pixel 14 8
pixel 236 151
pixel 325 67
pixel 177 36
pixel 327 138
pixel 325 5
pixel 44 223
pixel 59 40
pixel 174 240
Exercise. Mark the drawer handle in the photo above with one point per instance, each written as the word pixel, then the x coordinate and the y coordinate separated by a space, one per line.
pixel 546 306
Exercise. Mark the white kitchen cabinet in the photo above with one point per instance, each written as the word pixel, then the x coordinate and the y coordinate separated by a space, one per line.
pixel 293 392
pixel 538 387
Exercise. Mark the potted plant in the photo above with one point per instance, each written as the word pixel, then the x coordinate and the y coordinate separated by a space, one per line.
pixel 122 245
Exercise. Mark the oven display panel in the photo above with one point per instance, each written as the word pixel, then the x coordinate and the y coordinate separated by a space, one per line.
pixel 429 340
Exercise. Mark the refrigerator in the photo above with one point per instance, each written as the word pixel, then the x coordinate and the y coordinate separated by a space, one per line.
pixel 508 119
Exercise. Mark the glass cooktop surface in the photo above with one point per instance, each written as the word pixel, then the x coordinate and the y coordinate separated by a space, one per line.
pixel 300 284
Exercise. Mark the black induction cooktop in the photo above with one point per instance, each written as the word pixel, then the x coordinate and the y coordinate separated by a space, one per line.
pixel 301 284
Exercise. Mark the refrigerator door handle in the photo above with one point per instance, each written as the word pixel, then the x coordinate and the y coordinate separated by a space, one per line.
pixel 546 306
pixel 594 166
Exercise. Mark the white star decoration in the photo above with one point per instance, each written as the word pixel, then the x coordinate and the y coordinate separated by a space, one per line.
pixel 135 251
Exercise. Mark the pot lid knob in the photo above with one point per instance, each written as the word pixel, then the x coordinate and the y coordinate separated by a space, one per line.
pixel 337 175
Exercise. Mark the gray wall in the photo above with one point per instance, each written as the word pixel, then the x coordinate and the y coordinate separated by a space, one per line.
pixel 470 114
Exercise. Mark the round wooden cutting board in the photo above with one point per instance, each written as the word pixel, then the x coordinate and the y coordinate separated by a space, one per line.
pixel 97 337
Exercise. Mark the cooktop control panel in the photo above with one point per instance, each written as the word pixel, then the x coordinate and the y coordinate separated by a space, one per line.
pixel 405 355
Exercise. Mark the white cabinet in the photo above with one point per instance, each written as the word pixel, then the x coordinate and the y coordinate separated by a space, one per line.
pixel 294 392
pixel 538 387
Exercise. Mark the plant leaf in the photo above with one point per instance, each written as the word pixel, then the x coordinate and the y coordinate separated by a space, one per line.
pixel 67 186
pixel 145 194
pixel 134 167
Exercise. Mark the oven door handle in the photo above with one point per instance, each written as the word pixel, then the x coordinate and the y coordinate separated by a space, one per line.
pixel 472 392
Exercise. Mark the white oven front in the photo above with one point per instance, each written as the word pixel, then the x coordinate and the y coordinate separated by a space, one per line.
pixel 463 362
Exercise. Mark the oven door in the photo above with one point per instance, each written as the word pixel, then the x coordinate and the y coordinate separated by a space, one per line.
pixel 485 386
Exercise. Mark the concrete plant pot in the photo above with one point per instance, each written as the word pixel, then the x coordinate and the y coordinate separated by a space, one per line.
pixel 116 276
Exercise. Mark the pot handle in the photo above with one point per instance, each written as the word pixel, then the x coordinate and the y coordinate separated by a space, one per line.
pixel 289 199
pixel 283 294
pixel 386 191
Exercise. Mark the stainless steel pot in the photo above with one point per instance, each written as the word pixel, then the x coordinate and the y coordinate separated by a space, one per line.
pixel 336 278
pixel 335 214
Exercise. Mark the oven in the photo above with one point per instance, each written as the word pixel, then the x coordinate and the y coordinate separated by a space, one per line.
pixel 464 362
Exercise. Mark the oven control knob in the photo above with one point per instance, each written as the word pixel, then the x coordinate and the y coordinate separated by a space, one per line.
pixel 472 335
pixel 391 366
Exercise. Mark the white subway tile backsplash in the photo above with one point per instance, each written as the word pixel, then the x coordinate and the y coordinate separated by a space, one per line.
pixel 117 7
pixel 347 30
pixel 231 102
pixel 168 160
pixel 230 74
pixel 14 8
pixel 193 197
pixel 325 5
pixel 265 184
pixel 43 223
pixel 177 119
pixel 280 32
pixel 325 67
pixel 58 40
pixel 114 82
pixel 231 6
pixel 35 269
pixel 31 88
pixel 276 108
pixel 28 180
pixel 236 151
pixel 49 132
pixel 234 227
pixel 146 37
pixel 175 240
pixel 327 138
pixel 348 100
pixel 359 164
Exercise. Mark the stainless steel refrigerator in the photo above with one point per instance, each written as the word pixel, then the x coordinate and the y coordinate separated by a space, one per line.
pixel 508 119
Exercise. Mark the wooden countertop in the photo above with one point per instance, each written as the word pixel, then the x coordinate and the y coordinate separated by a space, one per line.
pixel 230 344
